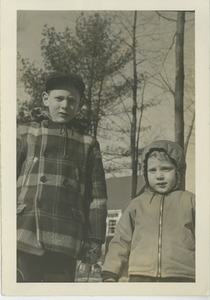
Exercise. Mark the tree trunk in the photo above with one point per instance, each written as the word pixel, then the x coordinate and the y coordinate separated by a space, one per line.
pixel 97 114
pixel 134 157
pixel 179 84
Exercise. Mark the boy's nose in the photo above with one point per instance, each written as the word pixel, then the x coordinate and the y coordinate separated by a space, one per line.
pixel 64 103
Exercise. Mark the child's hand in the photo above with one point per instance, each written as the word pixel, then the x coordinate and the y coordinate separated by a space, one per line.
pixel 109 280
pixel 90 252
pixel 109 276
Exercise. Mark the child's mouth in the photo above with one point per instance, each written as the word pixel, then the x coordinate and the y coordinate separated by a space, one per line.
pixel 162 184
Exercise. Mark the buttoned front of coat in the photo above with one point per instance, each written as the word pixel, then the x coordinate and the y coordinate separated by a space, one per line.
pixel 61 189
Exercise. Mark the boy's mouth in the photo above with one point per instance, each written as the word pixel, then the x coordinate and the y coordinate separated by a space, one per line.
pixel 63 114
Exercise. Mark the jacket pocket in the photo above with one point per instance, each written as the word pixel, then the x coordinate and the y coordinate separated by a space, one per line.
pixel 20 208
pixel 27 170
pixel 78 215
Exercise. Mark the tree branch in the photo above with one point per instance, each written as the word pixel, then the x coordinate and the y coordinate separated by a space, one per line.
pixel 189 134
pixel 167 84
pixel 160 15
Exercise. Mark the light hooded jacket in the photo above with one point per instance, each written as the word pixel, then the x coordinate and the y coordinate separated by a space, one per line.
pixel 61 189
pixel 156 233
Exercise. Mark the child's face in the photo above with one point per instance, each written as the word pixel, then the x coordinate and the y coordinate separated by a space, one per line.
pixel 63 104
pixel 161 174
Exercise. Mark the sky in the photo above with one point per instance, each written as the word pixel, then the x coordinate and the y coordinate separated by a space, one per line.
pixel 30 29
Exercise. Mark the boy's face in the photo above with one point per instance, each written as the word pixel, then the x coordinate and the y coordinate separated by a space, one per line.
pixel 63 104
pixel 161 174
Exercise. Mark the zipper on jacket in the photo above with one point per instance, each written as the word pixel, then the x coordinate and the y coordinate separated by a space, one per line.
pixel 160 236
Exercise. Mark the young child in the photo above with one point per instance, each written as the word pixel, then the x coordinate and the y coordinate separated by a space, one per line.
pixel 61 189
pixel 156 233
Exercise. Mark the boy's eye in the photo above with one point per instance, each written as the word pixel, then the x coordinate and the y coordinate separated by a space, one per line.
pixel 71 100
pixel 59 98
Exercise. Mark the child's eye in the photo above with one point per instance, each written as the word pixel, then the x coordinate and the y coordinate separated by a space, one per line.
pixel 167 169
pixel 151 170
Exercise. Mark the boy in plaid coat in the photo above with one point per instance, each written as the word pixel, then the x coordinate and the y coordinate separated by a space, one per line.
pixel 61 189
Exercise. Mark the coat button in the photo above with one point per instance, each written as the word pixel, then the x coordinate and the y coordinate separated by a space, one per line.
pixel 43 179
pixel 46 153
pixel 66 182
pixel 45 124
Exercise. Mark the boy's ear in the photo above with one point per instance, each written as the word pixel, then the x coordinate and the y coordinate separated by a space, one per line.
pixel 45 99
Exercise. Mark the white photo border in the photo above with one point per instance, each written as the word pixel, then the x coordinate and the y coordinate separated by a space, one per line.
pixel 8 160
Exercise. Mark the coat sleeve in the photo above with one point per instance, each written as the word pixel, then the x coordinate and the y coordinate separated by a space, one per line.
pixel 20 155
pixel 119 247
pixel 96 196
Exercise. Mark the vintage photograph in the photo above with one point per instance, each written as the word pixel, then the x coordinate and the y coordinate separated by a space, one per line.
pixel 124 80
pixel 106 190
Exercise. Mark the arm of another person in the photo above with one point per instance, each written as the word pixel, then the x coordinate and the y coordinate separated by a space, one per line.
pixel 96 205
pixel 119 247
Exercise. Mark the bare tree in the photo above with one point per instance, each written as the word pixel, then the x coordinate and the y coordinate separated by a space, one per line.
pixel 179 83
pixel 134 149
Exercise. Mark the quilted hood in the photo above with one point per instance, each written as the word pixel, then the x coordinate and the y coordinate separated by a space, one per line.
pixel 174 151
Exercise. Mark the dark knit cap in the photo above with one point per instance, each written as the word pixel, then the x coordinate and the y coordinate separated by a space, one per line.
pixel 63 81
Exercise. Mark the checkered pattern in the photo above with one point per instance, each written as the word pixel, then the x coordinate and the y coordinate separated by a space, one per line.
pixel 61 189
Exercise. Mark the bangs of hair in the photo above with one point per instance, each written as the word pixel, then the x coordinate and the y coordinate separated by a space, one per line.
pixel 160 155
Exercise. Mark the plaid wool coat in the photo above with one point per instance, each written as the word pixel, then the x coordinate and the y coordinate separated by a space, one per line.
pixel 61 189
